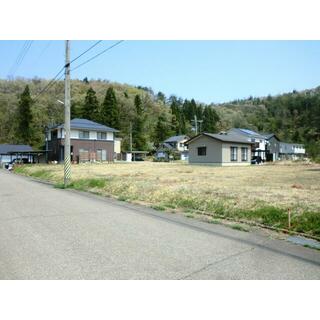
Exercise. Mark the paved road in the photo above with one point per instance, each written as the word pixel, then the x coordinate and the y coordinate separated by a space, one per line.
pixel 47 233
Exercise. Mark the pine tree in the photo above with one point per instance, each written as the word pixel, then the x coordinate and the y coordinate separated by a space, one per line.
pixel 138 132
pixel 210 120
pixel 161 130
pixel 24 129
pixel 110 114
pixel 90 108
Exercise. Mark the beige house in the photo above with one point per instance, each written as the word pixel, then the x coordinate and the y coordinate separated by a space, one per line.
pixel 222 149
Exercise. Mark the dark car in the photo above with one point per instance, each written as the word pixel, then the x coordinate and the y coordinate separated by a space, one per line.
pixel 256 160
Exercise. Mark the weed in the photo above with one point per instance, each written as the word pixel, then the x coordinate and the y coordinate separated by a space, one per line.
pixel 311 247
pixel 158 207
pixel 239 227
pixel 214 221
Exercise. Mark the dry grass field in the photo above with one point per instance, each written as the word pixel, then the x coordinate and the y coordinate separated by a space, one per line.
pixel 260 193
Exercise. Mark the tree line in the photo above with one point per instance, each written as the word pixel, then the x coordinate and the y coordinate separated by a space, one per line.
pixel 150 118
pixel 153 117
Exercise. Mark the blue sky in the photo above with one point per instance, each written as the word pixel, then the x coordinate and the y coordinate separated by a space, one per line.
pixel 208 71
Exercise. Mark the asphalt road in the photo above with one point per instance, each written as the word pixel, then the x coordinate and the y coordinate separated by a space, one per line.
pixel 47 233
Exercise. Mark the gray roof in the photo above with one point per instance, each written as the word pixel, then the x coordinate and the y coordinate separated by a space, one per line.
pixel 247 133
pixel 9 148
pixel 164 146
pixel 224 137
pixel 177 138
pixel 86 124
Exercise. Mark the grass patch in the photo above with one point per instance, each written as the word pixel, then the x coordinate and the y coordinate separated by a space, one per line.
pixel 311 247
pixel 189 215
pixel 59 186
pixel 85 184
pixel 239 227
pixel 158 207
pixel 122 198
pixel 213 221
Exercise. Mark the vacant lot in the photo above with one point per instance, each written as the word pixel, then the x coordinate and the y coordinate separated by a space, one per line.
pixel 258 193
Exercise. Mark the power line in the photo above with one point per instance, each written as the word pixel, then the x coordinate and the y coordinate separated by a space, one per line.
pixel 50 84
pixel 18 57
pixel 95 44
pixel 97 55
pixel 27 45
pixel 54 80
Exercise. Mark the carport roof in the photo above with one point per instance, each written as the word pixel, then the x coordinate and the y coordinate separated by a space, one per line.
pixel 12 148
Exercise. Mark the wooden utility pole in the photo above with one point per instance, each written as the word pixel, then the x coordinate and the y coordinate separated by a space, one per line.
pixel 131 137
pixel 67 159
pixel 195 124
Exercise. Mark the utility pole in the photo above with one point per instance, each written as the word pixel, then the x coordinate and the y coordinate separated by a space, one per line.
pixel 195 123
pixel 67 160
pixel 130 137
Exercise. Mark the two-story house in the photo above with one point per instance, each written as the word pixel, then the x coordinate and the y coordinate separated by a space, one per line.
pixel 90 141
pixel 266 145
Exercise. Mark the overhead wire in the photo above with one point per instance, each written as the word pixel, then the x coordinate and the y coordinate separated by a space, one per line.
pixel 23 52
pixel 97 55
pixel 56 79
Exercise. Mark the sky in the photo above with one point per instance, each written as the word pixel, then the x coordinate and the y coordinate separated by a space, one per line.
pixel 208 71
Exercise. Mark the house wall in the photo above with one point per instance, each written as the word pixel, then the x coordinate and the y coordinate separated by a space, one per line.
pixel 226 154
pixel 183 148
pixel 92 146
pixel 274 148
pixel 218 152
pixel 74 134
pixel 117 146
pixel 214 151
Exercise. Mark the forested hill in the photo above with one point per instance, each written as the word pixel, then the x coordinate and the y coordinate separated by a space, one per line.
pixel 293 117
pixel 26 108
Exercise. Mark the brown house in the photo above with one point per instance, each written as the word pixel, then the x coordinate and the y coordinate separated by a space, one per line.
pixel 90 141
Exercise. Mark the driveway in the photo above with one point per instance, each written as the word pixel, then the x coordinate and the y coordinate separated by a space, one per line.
pixel 48 233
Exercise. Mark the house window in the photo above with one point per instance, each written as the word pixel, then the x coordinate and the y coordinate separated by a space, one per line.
pixel 181 144
pixel 83 134
pixel 202 151
pixel 101 136
pixel 244 154
pixel 234 153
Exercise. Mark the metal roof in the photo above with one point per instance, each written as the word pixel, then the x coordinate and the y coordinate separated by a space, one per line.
pixel 12 148
pixel 176 138
pixel 247 132
pixel 224 137
pixel 78 123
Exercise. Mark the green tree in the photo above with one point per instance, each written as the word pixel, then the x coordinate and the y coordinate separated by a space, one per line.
pixel 110 114
pixel 24 117
pixel 162 131
pixel 139 141
pixel 90 108
pixel 210 120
